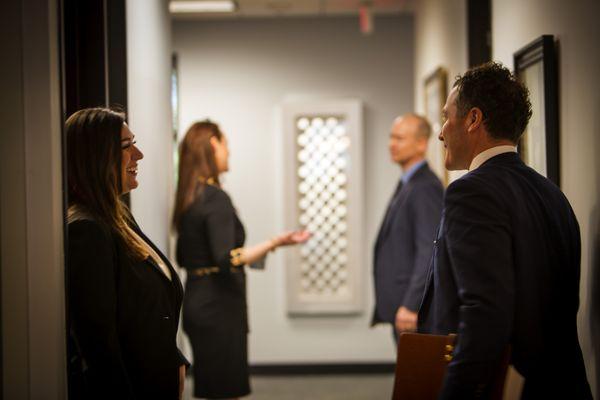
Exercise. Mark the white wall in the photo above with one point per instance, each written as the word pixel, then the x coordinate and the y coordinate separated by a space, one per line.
pixel 575 24
pixel 238 73
pixel 149 92
pixel 441 39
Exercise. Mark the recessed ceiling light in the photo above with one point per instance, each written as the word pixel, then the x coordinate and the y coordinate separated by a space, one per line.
pixel 212 6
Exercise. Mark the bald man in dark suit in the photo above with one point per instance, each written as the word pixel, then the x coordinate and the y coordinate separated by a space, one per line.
pixel 405 239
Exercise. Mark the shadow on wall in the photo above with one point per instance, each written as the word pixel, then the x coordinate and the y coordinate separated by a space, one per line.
pixel 594 290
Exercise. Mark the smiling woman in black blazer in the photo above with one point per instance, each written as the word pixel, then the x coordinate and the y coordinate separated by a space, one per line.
pixel 123 295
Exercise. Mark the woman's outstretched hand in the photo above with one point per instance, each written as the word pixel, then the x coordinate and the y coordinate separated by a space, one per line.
pixel 291 238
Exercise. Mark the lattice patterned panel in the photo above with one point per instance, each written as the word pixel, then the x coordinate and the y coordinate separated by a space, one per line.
pixel 324 189
pixel 322 154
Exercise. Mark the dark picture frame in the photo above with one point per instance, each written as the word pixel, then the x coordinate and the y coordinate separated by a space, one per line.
pixel 537 67
pixel 435 92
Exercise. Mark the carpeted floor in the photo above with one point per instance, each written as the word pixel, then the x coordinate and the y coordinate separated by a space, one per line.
pixel 323 387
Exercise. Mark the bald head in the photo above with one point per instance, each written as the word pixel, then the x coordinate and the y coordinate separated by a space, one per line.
pixel 418 125
pixel 408 139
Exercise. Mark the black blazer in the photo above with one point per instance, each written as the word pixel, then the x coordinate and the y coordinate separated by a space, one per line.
pixel 404 244
pixel 505 271
pixel 123 319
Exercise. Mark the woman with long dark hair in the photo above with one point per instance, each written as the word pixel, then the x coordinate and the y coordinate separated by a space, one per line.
pixel 123 295
pixel 211 248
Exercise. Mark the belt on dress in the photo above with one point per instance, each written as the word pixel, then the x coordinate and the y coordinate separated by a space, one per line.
pixel 205 271
pixel 236 262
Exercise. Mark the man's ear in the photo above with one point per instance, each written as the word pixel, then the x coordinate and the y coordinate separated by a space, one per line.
pixel 474 119
pixel 422 145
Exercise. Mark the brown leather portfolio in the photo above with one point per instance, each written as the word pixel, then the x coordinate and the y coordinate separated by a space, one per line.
pixel 421 365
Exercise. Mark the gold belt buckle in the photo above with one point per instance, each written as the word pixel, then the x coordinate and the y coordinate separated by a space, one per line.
pixel 204 271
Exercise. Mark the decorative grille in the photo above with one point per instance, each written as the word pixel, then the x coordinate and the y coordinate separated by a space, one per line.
pixel 324 195
pixel 322 159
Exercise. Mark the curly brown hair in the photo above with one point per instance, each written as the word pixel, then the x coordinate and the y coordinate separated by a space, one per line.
pixel 501 97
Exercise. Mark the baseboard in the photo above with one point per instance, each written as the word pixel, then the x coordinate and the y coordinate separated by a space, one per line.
pixel 323 369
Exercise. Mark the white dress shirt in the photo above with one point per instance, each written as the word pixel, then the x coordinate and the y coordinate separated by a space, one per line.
pixel 489 153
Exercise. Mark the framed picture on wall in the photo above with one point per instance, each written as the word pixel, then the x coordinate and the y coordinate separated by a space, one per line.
pixel 435 93
pixel 536 66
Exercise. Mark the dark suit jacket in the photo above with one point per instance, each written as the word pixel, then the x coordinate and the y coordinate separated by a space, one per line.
pixel 123 319
pixel 404 244
pixel 505 270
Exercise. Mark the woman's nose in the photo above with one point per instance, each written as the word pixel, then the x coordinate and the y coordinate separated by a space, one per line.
pixel 137 155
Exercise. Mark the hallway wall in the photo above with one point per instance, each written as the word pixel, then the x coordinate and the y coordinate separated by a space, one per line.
pixel 441 39
pixel 238 73
pixel 149 91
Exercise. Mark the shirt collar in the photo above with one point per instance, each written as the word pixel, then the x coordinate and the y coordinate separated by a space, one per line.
pixel 489 153
pixel 411 171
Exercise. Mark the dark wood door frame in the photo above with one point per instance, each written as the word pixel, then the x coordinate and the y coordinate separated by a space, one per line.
pixel 93 64
pixel 94 54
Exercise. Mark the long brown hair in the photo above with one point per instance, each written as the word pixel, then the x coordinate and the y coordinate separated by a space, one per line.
pixel 196 162
pixel 94 158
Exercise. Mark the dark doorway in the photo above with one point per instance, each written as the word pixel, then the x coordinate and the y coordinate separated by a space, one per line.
pixel 479 31
pixel 94 54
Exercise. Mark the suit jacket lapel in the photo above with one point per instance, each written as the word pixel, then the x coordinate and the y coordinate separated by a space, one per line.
pixel 395 201
pixel 151 261
pixel 391 212
pixel 429 279
pixel 383 229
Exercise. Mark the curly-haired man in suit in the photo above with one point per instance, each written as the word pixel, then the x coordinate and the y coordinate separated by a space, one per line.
pixel 506 262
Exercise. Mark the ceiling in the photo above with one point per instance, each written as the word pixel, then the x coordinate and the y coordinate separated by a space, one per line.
pixel 313 8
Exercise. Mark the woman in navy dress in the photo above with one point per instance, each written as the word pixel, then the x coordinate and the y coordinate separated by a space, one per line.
pixel 211 247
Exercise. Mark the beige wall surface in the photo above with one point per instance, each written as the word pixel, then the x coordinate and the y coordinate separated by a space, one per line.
pixel 441 40
pixel 149 91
